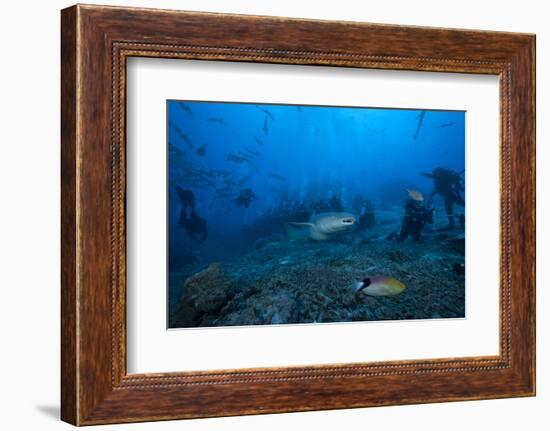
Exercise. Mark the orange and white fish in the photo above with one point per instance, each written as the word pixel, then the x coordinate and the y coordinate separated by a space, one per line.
pixel 415 195
pixel 380 286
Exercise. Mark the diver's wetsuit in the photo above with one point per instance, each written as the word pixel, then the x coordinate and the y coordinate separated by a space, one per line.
pixel 187 198
pixel 194 224
pixel 448 184
pixel 245 198
pixel 415 218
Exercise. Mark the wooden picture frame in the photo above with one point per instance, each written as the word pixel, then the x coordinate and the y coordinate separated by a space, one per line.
pixel 96 41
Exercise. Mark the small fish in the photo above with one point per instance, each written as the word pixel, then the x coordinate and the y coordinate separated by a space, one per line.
pixel 185 108
pixel 253 153
pixel 183 137
pixel 276 176
pixel 444 125
pixel 415 195
pixel 243 180
pixel 380 286
pixel 177 154
pixel 258 141
pixel 196 177
pixel 266 127
pixel 217 120
pixel 220 173
pixel 285 260
pixel 420 123
pixel 268 113
pixel 240 158
pixel 201 151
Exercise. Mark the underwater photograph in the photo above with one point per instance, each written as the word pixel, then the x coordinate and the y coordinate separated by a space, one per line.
pixel 297 214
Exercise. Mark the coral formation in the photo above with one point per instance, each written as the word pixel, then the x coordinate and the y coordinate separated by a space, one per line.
pixel 300 281
pixel 203 296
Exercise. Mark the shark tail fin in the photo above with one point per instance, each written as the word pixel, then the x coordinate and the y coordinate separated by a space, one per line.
pixel 293 223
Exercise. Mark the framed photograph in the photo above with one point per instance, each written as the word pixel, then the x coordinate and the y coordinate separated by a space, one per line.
pixel 266 215
pixel 310 208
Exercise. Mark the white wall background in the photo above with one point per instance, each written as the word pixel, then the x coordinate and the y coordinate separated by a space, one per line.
pixel 29 214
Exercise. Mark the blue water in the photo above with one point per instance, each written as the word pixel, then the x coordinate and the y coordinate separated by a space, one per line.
pixel 292 157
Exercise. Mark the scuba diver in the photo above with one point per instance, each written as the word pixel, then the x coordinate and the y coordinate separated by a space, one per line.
pixel 448 184
pixel 194 224
pixel 245 198
pixel 416 216
pixel 366 215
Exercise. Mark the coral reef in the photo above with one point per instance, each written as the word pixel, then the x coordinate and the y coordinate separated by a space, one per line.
pixel 301 281
pixel 203 296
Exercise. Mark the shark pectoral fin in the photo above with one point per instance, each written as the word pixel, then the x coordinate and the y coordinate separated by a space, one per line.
pixel 292 223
